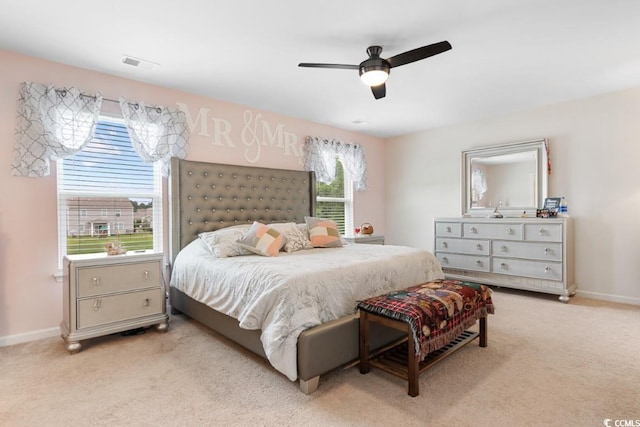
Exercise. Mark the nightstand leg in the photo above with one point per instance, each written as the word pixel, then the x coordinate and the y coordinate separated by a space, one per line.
pixel 163 327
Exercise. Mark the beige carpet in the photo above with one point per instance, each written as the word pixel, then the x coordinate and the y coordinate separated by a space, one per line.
pixel 547 364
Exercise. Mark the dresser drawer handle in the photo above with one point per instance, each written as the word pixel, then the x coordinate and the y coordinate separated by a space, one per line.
pixel 504 266
pixel 542 231
pixel 473 230
pixel 146 274
pixel 504 248
pixel 479 247
pixel 478 263
pixel 547 251
pixel 547 270
pixel 95 280
pixel 147 301
pixel 97 304
pixel 448 229
pixel 445 260
pixel 509 230
pixel 445 245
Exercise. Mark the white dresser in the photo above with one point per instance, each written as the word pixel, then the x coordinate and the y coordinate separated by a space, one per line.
pixel 108 294
pixel 525 253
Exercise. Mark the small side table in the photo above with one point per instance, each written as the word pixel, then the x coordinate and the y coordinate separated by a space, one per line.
pixel 107 294
pixel 367 239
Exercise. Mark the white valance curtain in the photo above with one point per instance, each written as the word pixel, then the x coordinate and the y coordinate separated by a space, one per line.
pixel 51 124
pixel 320 156
pixel 157 133
pixel 55 123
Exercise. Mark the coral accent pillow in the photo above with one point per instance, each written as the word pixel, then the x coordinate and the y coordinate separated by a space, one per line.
pixel 262 240
pixel 323 233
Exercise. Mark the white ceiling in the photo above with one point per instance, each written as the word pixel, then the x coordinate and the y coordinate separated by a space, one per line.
pixel 507 56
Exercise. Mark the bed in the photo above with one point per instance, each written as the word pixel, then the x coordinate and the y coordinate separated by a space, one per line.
pixel 206 197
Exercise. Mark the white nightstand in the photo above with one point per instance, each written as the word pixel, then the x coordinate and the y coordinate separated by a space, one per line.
pixel 369 239
pixel 108 294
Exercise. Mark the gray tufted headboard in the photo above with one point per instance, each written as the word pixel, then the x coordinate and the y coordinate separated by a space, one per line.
pixel 208 196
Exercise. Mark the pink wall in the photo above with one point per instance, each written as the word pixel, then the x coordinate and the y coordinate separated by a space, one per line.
pixel 30 298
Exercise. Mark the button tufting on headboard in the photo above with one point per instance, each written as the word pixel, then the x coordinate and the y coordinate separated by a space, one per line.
pixel 224 194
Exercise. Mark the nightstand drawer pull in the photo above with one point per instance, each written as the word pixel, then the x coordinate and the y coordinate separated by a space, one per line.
pixel 97 304
pixel 95 281
pixel 445 244
pixel 146 274
pixel 147 301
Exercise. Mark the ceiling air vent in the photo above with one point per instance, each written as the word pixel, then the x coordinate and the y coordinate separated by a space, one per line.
pixel 139 63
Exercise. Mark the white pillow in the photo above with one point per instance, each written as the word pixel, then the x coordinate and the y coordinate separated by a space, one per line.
pixel 224 242
pixel 294 238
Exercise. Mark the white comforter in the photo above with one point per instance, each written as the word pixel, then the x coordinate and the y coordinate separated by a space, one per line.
pixel 287 294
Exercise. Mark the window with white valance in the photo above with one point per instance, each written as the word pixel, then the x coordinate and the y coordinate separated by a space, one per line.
pixel 109 169
pixel 338 166
pixel 320 155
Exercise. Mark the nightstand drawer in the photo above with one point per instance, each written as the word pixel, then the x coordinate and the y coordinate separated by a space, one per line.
pixel 118 278
pixel 113 308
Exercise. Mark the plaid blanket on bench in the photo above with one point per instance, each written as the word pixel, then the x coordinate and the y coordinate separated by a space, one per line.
pixel 437 311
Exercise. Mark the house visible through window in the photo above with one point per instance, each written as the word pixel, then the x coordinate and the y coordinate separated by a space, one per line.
pixel 106 193
pixel 335 201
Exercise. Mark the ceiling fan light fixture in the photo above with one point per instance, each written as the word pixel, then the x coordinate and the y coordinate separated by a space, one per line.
pixel 374 71
pixel 374 77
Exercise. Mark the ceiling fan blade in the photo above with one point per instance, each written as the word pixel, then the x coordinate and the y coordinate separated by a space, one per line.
pixel 379 91
pixel 419 53
pixel 339 66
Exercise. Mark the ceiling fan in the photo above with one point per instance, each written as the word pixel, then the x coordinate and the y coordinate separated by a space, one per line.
pixel 374 71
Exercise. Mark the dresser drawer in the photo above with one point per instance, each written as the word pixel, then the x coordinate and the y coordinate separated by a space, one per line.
pixel 543 232
pixel 534 269
pixel 473 247
pixel 464 262
pixel 537 251
pixel 448 229
pixel 113 308
pixel 492 231
pixel 118 278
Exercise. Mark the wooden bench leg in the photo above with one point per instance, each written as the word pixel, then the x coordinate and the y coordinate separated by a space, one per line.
pixel 483 332
pixel 364 343
pixel 412 367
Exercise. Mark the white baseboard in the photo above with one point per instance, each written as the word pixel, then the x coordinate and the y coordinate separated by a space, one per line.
pixel 29 336
pixel 609 297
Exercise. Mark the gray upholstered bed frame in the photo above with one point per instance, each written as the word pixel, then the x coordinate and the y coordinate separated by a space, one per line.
pixel 209 196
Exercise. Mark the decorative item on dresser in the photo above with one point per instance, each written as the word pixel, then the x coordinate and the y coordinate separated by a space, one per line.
pixel 524 253
pixel 108 294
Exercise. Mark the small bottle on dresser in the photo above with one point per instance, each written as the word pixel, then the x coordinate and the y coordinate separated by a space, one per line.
pixel 563 211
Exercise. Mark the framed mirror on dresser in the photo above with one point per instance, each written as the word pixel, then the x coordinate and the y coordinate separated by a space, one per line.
pixel 510 177
pixel 516 250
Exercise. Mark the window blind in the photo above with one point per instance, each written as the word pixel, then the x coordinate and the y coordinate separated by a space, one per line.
pixel 335 201
pixel 106 193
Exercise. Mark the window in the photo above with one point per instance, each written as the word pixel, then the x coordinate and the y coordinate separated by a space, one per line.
pixel 335 201
pixel 106 192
